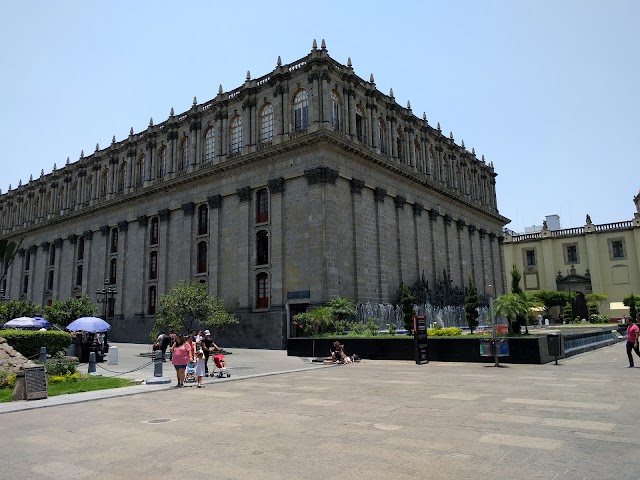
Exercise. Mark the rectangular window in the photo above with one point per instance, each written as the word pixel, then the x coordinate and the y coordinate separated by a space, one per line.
pixel 359 128
pixel 572 254
pixel 617 249
pixel 530 258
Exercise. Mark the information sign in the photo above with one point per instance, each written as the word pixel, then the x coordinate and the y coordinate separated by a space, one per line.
pixel 35 382
pixel 420 338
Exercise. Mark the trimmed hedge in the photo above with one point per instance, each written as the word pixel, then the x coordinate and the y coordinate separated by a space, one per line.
pixel 28 342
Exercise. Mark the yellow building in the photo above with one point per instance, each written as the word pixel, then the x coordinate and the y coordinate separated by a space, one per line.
pixel 589 259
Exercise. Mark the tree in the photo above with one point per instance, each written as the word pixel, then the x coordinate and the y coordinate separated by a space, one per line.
pixel 553 298
pixel 317 321
pixel 471 304
pixel 596 298
pixel 408 310
pixel 63 312
pixel 632 301
pixel 567 313
pixel 17 308
pixel 342 307
pixel 515 288
pixel 187 303
pixel 515 280
pixel 510 306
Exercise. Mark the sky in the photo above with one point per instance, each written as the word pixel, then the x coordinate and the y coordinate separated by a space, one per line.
pixel 547 90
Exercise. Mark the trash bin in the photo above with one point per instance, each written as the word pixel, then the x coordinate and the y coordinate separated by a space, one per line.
pixel 554 344
pixel 485 348
pixel 502 347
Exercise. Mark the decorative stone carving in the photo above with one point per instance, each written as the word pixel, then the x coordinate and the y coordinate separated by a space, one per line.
pixel 447 219
pixel 164 214
pixel 73 238
pixel 143 220
pixel 460 224
pixel 244 194
pixel 57 242
pixel 123 226
pixel 357 185
pixel 482 232
pixel 321 176
pixel 433 215
pixel 45 246
pixel 471 228
pixel 400 202
pixel 88 234
pixel 379 193
pixel 214 201
pixel 188 208
pixel 417 209
pixel 276 185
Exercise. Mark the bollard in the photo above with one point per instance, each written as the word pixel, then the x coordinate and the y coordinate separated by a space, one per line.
pixel 43 355
pixel 92 364
pixel 157 366
pixel 157 370
pixel 112 356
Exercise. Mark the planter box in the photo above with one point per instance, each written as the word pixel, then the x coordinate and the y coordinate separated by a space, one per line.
pixel 442 349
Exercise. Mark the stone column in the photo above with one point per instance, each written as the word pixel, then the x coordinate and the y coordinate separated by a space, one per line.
pixel 164 230
pixel 277 235
pixel 215 207
pixel 245 276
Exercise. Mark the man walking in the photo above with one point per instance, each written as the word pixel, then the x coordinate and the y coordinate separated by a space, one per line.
pixel 632 341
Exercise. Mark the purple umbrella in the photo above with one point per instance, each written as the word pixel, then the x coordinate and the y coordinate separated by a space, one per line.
pixel 88 324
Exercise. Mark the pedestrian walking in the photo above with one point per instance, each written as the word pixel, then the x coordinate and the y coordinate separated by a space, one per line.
pixel 632 341
pixel 208 347
pixel 182 355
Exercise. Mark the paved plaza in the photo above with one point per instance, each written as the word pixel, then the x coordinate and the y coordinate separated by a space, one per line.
pixel 373 420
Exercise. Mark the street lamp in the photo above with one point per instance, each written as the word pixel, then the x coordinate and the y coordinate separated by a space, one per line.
pixel 106 298
pixel 488 290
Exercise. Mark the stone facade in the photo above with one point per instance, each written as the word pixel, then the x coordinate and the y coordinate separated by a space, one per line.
pixel 594 258
pixel 296 187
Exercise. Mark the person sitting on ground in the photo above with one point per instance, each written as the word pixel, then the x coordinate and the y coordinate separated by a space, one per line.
pixel 338 352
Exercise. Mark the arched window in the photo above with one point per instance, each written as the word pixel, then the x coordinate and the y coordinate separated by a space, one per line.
pixel 262 290
pixel 25 284
pixel 262 247
pixel 140 171
pixel 335 111
pixel 266 123
pixel 359 124
pixel 262 206
pixel 202 257
pixel 210 145
pixel 114 240
pixel 153 265
pixel 203 219
pixel 27 260
pixel 151 303
pixel 52 255
pixel 183 156
pixel 153 234
pixel 113 272
pixel 399 143
pixel 79 275
pixel 50 281
pixel 382 134
pixel 301 110
pixel 162 162
pixel 80 255
pixel 103 182
pixel 121 176
pixel 236 134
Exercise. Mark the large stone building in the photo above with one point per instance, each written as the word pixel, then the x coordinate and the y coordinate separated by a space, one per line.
pixel 590 259
pixel 301 185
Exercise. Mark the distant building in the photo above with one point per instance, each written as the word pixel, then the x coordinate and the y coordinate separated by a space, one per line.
pixel 589 259
pixel 296 187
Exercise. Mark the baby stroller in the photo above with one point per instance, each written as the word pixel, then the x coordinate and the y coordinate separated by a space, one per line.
pixel 190 373
pixel 219 366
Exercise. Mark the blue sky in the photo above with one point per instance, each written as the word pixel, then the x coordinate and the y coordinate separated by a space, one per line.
pixel 547 90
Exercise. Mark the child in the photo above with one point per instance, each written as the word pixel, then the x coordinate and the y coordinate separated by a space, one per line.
pixel 200 367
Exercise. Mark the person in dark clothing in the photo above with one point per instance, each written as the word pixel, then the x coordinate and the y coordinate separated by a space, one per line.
pixel 208 347
pixel 164 344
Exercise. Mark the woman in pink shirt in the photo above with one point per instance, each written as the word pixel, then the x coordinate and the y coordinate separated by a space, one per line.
pixel 182 355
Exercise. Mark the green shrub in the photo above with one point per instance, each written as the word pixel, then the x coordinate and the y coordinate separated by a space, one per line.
pixel 60 365
pixel 67 377
pixel 7 380
pixel 357 328
pixel 392 329
pixel 444 332
pixel 28 342
pixel 372 327
pixel 598 318
pixel 436 326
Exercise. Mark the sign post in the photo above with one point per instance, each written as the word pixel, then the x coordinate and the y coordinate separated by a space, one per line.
pixel 420 339
pixel 488 290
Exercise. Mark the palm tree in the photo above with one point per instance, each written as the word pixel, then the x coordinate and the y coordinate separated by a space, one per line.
pixel 511 305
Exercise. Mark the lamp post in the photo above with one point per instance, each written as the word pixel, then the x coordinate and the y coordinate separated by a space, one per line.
pixel 106 296
pixel 488 290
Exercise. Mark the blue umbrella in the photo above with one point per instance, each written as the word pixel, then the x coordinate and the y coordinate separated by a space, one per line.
pixel 23 322
pixel 88 324
pixel 43 322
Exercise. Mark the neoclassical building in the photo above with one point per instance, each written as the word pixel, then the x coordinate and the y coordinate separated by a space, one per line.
pixel 301 185
pixel 595 258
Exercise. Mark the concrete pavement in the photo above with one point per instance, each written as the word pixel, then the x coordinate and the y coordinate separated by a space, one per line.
pixel 373 420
